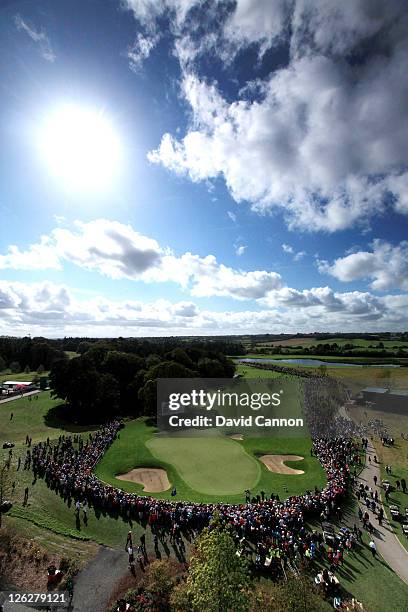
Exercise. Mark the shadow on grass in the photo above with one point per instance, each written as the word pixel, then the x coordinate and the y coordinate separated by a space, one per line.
pixel 60 417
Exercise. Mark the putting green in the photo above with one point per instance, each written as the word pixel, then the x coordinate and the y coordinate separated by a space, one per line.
pixel 214 466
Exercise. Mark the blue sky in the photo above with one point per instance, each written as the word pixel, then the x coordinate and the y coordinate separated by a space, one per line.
pixel 261 183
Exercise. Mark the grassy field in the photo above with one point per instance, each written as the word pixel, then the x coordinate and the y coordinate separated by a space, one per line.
pixel 51 522
pixel 46 512
pixel 356 342
pixel 211 468
pixel 18 377
pixel 397 458
pixel 369 580
pixel 337 359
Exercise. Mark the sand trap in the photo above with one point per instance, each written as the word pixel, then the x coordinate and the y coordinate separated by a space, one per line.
pixel 236 437
pixel 152 479
pixel 275 463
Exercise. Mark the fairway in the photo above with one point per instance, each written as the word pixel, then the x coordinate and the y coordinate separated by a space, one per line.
pixel 210 465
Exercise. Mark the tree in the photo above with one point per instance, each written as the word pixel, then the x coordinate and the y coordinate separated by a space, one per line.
pixel 295 594
pixel 27 369
pixel 158 581
pixel 15 367
pixel 40 369
pixel 218 580
pixel 2 364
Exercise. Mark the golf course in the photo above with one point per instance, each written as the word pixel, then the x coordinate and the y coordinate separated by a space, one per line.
pixel 209 467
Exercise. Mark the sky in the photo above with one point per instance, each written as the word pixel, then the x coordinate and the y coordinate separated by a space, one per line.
pixel 174 167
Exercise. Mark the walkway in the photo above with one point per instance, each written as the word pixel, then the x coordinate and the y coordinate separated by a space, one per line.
pixel 15 397
pixel 95 583
pixel 386 541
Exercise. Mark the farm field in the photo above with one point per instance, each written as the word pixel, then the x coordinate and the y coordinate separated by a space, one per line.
pixel 337 359
pixel 356 342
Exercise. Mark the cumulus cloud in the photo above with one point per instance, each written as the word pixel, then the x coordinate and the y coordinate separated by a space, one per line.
pixel 385 265
pixel 38 36
pixel 117 251
pixel 326 142
pixel 37 257
pixel 54 310
pixel 257 21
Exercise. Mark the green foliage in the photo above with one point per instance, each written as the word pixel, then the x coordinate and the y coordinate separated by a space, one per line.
pixel 104 382
pixel 15 367
pixel 293 595
pixel 218 580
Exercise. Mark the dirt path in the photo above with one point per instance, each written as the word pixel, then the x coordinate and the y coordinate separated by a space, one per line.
pixel 95 583
pixel 386 541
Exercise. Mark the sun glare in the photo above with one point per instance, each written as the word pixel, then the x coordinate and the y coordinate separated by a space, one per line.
pixel 81 148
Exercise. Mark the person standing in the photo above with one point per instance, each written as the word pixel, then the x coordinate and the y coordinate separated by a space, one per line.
pixel 373 548
pixel 143 543
pixel 131 557
pixel 129 541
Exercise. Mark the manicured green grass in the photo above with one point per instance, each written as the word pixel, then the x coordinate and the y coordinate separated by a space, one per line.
pixel 46 510
pixel 211 468
pixel 36 417
pixel 212 465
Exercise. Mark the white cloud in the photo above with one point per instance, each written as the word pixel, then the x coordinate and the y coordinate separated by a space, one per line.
pixel 327 141
pixel 140 50
pixel 37 257
pixel 287 248
pixel 398 186
pixel 53 310
pixel 38 36
pixel 232 216
pixel 240 250
pixel 385 265
pixel 260 21
pixel 117 251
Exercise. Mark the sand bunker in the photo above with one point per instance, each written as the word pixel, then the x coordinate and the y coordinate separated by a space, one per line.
pixel 153 480
pixel 275 463
pixel 236 437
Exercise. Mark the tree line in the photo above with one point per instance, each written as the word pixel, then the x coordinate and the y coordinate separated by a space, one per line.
pixel 28 354
pixel 104 382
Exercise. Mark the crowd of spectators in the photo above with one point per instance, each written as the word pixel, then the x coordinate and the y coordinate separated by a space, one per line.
pixel 277 529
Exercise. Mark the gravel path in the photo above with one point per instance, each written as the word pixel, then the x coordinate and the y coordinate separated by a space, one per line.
pixel 95 583
pixel 386 541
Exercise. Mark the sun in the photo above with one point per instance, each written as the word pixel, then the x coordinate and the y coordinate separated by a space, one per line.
pixel 81 148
